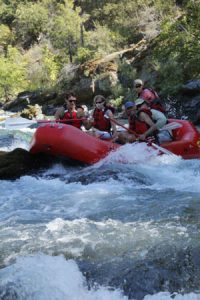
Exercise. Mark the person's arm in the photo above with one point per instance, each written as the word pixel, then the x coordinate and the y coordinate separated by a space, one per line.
pixel 81 115
pixel 145 118
pixel 88 124
pixel 159 118
pixel 59 114
pixel 110 115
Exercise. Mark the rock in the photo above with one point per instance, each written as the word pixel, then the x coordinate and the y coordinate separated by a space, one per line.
pixel 192 87
pixel 33 111
pixel 84 90
pixel 105 83
pixel 49 110
pixel 20 162
pixel 190 100
pixel 27 98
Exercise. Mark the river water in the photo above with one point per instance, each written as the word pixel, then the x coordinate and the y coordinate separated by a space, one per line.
pixel 124 228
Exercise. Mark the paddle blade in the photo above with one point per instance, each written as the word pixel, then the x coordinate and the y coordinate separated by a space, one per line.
pixel 18 123
pixel 171 126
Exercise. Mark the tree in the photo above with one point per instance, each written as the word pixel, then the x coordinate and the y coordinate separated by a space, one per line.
pixel 100 41
pixel 5 37
pixel 178 49
pixel 12 74
pixel 31 21
pixel 65 29
pixel 42 67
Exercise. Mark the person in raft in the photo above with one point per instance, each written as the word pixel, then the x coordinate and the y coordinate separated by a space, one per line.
pixel 70 112
pixel 151 123
pixel 129 136
pixel 102 120
pixel 144 123
pixel 149 95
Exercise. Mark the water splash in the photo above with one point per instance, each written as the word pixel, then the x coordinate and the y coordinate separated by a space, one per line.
pixel 43 277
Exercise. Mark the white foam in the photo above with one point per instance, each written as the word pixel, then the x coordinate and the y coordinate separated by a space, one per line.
pixel 43 277
pixel 138 153
pixel 21 139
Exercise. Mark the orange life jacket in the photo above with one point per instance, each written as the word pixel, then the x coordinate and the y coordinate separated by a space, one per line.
pixel 100 122
pixel 73 115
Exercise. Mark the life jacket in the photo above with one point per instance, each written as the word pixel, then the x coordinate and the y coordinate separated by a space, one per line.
pixel 152 98
pixel 73 115
pixel 100 122
pixel 138 126
pixel 156 104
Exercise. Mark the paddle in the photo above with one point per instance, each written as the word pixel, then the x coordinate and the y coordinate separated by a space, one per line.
pixel 171 126
pixel 150 143
pixel 17 123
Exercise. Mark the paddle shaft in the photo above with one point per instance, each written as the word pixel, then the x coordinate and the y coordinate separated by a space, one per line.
pixel 61 121
pixel 12 122
pixel 127 129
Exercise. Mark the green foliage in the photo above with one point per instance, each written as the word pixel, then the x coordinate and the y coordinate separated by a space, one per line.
pixel 170 76
pixel 42 68
pixel 12 74
pixel 50 67
pixel 8 9
pixel 178 49
pixel 65 29
pixel 83 54
pixel 100 41
pixel 5 36
pixel 117 91
pixel 30 21
pixel 52 33
pixel 126 73
pixel 125 17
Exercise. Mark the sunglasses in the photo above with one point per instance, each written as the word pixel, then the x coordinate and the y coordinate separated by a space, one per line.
pixel 138 85
pixel 99 102
pixel 72 100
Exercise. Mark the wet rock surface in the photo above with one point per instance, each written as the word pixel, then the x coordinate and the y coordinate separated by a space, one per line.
pixel 164 269
pixel 20 162
pixel 190 100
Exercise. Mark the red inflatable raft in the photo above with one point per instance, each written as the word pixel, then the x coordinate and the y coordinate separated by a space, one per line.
pixel 65 140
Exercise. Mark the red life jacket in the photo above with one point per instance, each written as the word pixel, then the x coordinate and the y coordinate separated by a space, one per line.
pixel 152 98
pixel 73 115
pixel 100 122
pixel 138 126
pixel 156 104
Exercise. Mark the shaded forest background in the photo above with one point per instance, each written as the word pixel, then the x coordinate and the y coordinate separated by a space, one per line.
pixel 40 41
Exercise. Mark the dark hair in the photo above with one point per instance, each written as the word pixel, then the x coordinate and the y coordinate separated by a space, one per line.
pixel 69 94
pixel 145 102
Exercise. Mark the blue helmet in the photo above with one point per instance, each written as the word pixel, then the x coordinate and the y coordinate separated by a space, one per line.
pixel 129 104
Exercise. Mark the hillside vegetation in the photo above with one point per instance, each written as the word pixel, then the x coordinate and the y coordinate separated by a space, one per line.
pixel 39 39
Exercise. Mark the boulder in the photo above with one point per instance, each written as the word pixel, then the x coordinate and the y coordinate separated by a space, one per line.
pixel 190 100
pixel 191 88
pixel 20 162
pixel 84 90
pixel 27 98
pixel 32 111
